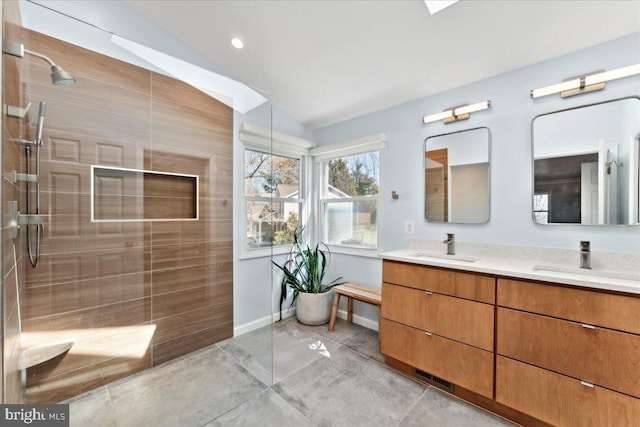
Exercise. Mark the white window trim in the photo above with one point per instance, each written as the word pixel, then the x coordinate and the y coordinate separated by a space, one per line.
pixel 367 144
pixel 257 138
pixel 261 139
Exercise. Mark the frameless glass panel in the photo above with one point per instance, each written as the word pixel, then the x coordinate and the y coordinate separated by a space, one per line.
pixel 95 277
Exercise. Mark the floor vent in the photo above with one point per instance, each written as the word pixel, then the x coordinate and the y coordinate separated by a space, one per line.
pixel 432 379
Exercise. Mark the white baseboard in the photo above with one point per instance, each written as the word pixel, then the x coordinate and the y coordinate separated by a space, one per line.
pixel 264 321
pixel 360 320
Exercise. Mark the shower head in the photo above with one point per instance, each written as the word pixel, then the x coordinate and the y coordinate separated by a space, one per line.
pixel 59 77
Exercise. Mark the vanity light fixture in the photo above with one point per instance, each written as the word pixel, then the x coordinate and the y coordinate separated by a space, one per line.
pixel 457 113
pixel 586 83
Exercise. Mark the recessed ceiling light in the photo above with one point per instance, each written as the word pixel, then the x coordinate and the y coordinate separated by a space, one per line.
pixel 237 43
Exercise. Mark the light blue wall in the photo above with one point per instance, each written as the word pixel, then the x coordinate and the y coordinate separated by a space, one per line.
pixel 509 120
pixel 253 297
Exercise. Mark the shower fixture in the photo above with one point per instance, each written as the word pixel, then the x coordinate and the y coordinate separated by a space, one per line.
pixel 34 218
pixel 30 218
pixel 59 77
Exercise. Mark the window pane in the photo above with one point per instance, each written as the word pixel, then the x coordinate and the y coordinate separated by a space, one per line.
pixel 540 202
pixel 270 175
pixel 541 208
pixel 271 223
pixel 351 223
pixel 353 176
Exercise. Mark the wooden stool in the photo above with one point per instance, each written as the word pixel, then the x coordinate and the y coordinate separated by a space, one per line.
pixel 352 291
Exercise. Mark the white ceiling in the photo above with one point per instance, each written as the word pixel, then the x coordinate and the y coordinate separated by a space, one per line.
pixel 328 61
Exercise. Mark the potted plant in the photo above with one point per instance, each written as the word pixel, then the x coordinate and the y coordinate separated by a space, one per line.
pixel 304 272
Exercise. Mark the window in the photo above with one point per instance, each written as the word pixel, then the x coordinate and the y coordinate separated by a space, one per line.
pixel 350 200
pixel 272 198
pixel 274 169
pixel 541 208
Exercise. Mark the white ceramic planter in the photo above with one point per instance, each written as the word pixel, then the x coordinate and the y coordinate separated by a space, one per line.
pixel 314 309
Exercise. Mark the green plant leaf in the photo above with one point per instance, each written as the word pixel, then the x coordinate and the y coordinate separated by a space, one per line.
pixel 304 270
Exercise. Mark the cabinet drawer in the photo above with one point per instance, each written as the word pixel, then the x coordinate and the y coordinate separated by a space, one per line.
pixel 464 285
pixel 613 311
pixel 560 400
pixel 466 366
pixel 462 320
pixel 601 356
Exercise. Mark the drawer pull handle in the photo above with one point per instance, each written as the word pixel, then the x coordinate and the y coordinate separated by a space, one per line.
pixel 587 326
pixel 586 384
pixel 428 333
pixel 428 292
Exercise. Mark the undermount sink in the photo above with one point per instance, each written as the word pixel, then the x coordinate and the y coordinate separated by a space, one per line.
pixel 605 274
pixel 444 257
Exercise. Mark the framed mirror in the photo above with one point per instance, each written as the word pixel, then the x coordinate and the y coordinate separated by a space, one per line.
pixel 456 177
pixel 585 164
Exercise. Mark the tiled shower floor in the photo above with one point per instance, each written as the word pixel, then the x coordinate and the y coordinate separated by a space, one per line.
pixel 320 378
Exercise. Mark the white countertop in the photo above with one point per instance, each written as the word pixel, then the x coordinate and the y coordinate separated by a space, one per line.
pixel 610 271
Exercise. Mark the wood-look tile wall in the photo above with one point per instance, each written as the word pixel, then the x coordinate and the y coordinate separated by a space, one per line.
pixel 12 158
pixel 131 294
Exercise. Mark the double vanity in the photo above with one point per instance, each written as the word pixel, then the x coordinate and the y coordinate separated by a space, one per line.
pixel 541 336
pixel 518 330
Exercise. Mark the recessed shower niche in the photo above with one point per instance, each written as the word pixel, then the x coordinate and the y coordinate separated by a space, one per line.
pixel 119 194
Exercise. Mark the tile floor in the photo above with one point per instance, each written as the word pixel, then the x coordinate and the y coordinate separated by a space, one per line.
pixel 320 378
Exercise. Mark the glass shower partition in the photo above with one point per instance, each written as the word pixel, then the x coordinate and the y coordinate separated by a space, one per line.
pixel 140 261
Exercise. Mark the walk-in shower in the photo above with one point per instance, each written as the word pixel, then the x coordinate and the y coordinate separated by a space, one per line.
pixel 141 283
pixel 59 77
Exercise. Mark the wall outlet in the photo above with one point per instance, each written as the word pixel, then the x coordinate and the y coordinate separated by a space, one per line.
pixel 409 227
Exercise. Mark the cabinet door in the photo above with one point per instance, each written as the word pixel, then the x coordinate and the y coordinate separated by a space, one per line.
pixel 463 365
pixel 458 319
pixel 601 356
pixel 613 311
pixel 464 285
pixel 560 400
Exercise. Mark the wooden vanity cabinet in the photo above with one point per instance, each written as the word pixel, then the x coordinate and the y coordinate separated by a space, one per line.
pixel 441 322
pixel 610 310
pixel 461 364
pixel 538 353
pixel 568 356
pixel 467 321
pixel 560 400
pixel 471 286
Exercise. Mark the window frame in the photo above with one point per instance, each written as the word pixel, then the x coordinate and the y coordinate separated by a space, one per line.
pixel 272 143
pixel 322 156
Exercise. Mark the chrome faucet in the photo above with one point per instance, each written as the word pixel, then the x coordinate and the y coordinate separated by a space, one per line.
pixel 451 243
pixel 585 254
